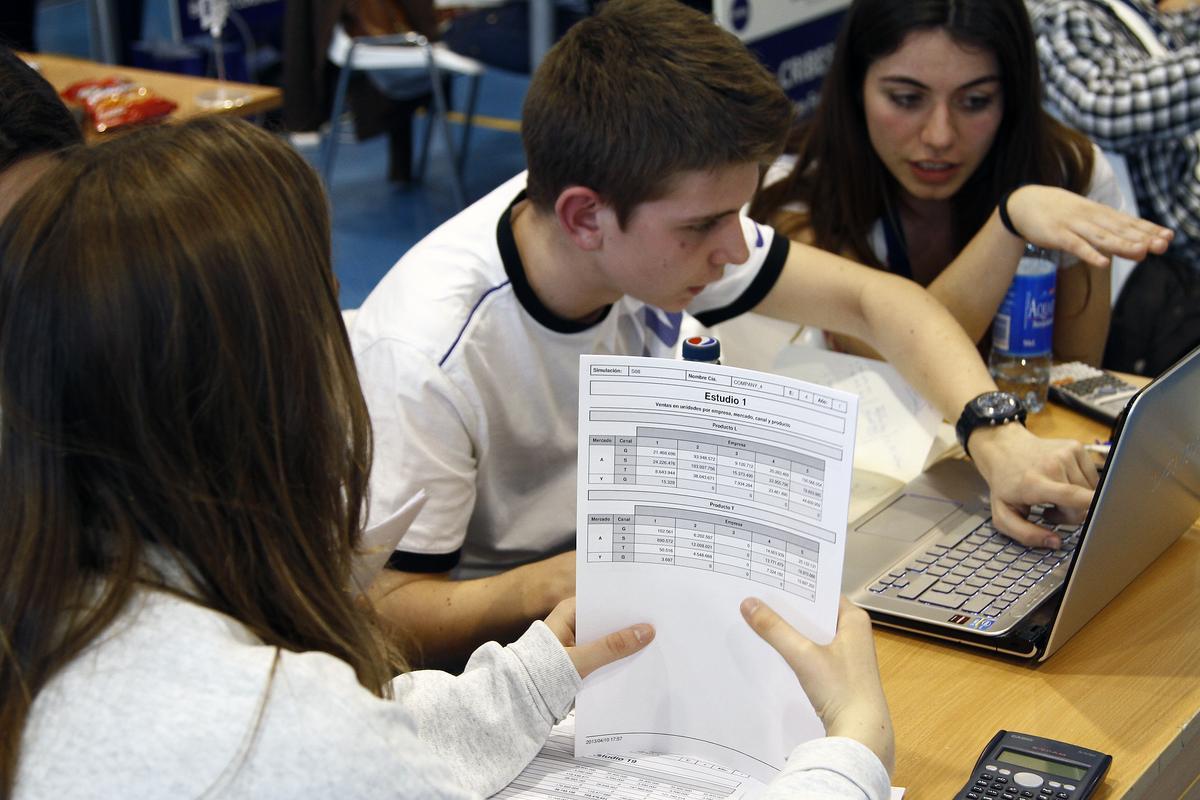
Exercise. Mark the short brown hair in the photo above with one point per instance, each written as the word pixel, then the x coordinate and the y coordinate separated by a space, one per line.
pixel 640 92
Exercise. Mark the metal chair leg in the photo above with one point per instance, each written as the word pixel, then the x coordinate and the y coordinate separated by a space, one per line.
pixel 439 102
pixel 468 120
pixel 426 138
pixel 339 103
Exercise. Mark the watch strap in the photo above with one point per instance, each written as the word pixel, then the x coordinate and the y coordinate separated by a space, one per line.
pixel 970 420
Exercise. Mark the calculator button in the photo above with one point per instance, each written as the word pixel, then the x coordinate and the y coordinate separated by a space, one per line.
pixel 1005 772
pixel 1028 779
pixel 973 796
pixel 1062 796
pixel 1069 787
pixel 1026 793
pixel 1001 781
pixel 992 793
pixel 1055 784
pixel 990 767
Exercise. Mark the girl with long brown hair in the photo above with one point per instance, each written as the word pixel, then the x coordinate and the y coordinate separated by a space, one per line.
pixel 184 453
pixel 183 460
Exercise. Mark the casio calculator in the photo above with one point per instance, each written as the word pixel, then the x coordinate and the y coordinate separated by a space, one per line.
pixel 1094 392
pixel 1019 766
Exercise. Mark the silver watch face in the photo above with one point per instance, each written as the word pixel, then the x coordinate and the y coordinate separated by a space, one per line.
pixel 996 405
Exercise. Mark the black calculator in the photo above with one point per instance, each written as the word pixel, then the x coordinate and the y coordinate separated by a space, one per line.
pixel 1094 392
pixel 1019 766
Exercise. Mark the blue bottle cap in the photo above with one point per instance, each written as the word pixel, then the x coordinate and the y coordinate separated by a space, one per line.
pixel 702 348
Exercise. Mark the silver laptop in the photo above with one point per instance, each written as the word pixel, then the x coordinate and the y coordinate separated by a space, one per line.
pixel 926 559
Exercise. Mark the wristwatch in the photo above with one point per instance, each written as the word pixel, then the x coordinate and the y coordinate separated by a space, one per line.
pixel 988 410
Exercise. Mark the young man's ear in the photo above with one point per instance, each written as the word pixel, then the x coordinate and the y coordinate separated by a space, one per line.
pixel 578 210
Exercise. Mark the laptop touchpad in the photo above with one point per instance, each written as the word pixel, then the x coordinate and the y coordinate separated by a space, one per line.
pixel 909 517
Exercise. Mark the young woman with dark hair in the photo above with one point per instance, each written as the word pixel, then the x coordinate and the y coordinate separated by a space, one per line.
pixel 184 451
pixel 930 123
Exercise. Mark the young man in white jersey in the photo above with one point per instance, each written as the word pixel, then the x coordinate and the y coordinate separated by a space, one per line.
pixel 646 130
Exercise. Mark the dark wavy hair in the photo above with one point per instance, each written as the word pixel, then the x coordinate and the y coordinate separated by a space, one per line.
pixel 175 379
pixel 32 117
pixel 841 180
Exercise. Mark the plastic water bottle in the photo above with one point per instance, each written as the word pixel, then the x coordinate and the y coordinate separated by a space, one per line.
pixel 705 349
pixel 1023 332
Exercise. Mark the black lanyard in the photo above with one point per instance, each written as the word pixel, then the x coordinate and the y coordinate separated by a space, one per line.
pixel 896 256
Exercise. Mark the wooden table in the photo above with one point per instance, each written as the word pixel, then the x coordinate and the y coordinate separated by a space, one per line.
pixel 1128 684
pixel 62 71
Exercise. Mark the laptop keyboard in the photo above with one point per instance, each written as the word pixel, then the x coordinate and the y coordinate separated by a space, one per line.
pixel 982 572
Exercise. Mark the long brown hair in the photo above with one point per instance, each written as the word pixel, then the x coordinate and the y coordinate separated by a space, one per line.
pixel 175 378
pixel 841 180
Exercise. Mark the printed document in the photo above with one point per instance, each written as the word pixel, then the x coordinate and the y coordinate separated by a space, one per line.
pixel 701 485
pixel 555 773
pixel 899 433
pixel 897 427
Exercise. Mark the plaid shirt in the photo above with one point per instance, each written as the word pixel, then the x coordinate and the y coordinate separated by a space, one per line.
pixel 1100 79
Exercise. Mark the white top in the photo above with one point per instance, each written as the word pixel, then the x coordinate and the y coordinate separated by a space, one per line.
pixel 176 700
pixel 472 386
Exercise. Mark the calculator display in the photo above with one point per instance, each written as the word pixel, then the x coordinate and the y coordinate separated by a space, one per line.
pixel 1041 764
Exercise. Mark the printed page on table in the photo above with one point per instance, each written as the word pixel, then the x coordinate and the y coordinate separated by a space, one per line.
pixel 555 773
pixel 700 485
pixel 897 428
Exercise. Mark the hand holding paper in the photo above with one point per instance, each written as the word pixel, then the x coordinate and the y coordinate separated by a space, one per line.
pixel 841 679
pixel 590 657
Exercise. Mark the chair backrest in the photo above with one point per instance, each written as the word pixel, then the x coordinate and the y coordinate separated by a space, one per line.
pixel 399 51
pixel 403 51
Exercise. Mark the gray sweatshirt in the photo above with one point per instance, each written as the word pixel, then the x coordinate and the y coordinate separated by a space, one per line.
pixel 177 701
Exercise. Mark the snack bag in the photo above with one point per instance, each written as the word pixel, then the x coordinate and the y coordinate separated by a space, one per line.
pixel 116 102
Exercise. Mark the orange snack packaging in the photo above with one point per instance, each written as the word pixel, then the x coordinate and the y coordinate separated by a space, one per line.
pixel 114 102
